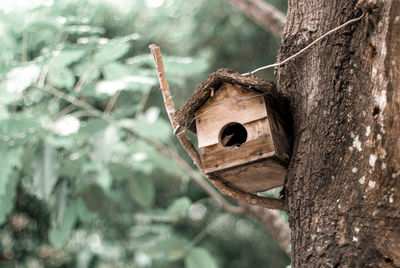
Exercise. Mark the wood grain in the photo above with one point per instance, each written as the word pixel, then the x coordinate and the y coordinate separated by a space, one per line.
pixel 225 108
pixel 230 157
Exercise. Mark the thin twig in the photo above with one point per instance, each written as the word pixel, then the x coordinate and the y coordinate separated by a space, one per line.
pixel 24 41
pixel 191 150
pixel 169 106
pixel 142 103
pixel 78 86
pixel 306 48
pixel 200 236
pixel 166 93
pixel 112 102
pixel 43 75
pixel 64 111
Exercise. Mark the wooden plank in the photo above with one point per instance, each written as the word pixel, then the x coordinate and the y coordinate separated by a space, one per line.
pixel 255 130
pixel 255 177
pixel 235 156
pixel 229 104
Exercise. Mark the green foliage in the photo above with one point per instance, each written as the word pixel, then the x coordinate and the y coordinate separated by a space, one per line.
pixel 60 231
pixel 7 198
pixel 170 248
pixel 179 207
pixel 46 165
pixel 200 258
pixel 142 190
pixel 80 183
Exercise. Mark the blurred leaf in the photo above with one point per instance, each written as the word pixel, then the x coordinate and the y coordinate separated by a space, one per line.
pixel 200 258
pixel 20 78
pixel 18 127
pixel 115 70
pixel 142 190
pixel 46 165
pixel 83 29
pixel 7 198
pixel 131 82
pixel 160 129
pixel 91 128
pixel 84 213
pixel 9 159
pixel 91 71
pixel 153 215
pixel 8 97
pixel 179 207
pixel 167 165
pixel 66 57
pixel 184 66
pixel 111 51
pixel 119 171
pixel 61 77
pixel 104 179
pixel 61 202
pixel 103 144
pixel 59 233
pixel 95 199
pixel 172 249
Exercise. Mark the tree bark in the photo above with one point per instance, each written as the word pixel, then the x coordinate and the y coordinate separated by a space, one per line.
pixel 342 187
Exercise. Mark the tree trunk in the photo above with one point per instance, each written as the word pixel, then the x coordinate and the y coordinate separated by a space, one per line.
pixel 342 188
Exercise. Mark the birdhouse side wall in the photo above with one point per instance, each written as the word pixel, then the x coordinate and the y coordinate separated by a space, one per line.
pixel 280 127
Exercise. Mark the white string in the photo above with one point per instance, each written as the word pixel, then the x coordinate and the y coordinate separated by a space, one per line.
pixel 304 49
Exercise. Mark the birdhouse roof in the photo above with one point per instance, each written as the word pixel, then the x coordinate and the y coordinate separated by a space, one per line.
pixel 184 115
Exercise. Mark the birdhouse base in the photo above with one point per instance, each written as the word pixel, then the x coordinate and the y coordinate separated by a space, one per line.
pixel 253 177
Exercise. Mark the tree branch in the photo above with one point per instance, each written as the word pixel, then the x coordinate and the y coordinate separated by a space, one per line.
pixel 274 222
pixel 264 14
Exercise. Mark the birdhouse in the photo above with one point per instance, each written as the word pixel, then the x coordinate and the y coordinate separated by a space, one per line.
pixel 243 126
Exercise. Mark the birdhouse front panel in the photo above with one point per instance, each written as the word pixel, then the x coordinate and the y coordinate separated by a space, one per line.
pixel 233 129
pixel 230 104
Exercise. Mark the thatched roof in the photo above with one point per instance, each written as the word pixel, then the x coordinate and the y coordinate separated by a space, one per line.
pixel 184 116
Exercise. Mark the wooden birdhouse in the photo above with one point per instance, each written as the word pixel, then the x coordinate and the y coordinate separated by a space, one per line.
pixel 242 126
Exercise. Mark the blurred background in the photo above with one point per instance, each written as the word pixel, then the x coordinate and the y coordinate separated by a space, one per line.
pixel 80 186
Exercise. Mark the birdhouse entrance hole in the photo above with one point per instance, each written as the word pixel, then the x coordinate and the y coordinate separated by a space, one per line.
pixel 233 134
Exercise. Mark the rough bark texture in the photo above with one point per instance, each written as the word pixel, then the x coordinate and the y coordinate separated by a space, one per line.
pixel 342 189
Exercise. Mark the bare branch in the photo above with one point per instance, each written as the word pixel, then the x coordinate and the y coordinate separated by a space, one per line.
pixel 112 102
pixel 274 222
pixel 249 198
pixel 24 50
pixel 262 13
pixel 78 86
pixel 170 107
